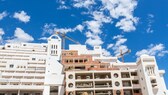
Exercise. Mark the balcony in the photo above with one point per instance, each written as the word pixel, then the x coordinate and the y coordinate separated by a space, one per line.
pixel 137 92
pixel 128 92
pixel 103 92
pixel 102 84
pixel 135 84
pixel 84 93
pixel 95 69
pixel 102 75
pixel 84 85
pixel 83 76
pixel 126 83
pixel 125 75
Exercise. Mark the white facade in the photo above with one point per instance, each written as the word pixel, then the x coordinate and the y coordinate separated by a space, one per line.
pixel 138 78
pixel 35 69
pixel 31 69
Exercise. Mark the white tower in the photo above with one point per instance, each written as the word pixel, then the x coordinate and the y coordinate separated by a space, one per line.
pixel 152 82
pixel 53 76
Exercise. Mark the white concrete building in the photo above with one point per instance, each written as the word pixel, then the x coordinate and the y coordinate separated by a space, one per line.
pixel 110 76
pixel 39 69
pixel 31 69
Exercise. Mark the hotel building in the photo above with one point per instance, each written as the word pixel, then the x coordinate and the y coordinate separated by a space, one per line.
pixel 31 69
pixel 45 69
pixel 88 72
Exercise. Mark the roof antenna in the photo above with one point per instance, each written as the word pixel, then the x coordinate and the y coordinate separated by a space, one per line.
pixel 65 37
pixel 122 54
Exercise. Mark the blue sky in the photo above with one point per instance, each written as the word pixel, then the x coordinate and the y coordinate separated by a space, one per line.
pixel 139 25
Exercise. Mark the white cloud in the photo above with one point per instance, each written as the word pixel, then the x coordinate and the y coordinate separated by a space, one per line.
pixel 162 53
pixel 22 16
pixel 124 9
pixel 63 30
pixel 43 38
pixel 120 41
pixel 83 3
pixel 94 26
pixel 93 40
pixel 110 46
pixel 52 28
pixel 105 52
pixel 99 16
pixel 150 22
pixel 20 36
pixel 61 5
pixel 118 36
pixel 1 34
pixel 79 27
pixel 127 24
pixel 2 15
pixel 154 50
pixel 49 28
pixel 119 45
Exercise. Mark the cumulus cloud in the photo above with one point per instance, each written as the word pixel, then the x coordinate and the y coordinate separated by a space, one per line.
pixel 51 28
pixel 118 36
pixel 3 14
pixel 61 4
pixel 99 16
pixel 154 50
pixel 43 38
pixel 127 25
pixel 121 10
pixel 94 26
pixel 105 52
pixel 110 46
pixel 150 22
pixel 119 45
pixel 117 12
pixel 83 3
pixel 1 34
pixel 95 41
pixel 79 27
pixel 124 9
pixel 20 36
pixel 22 16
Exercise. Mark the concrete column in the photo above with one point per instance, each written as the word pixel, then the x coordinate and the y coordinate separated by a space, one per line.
pixel 46 90
pixel 18 92
pixel 61 90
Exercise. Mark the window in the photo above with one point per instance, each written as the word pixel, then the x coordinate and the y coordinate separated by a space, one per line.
pixel 117 83
pixel 81 61
pixel 118 92
pixel 116 75
pixel 26 94
pixel 14 93
pixel 70 76
pixel 11 65
pixel 76 61
pixel 85 60
pixel 37 94
pixel 70 85
pixel 70 93
pixel 33 58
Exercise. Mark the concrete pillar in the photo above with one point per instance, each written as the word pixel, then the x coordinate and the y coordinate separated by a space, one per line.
pixel 46 90
pixel 60 90
pixel 18 92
